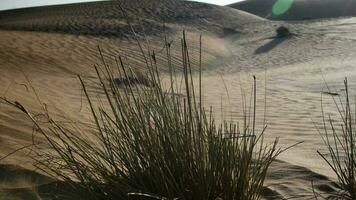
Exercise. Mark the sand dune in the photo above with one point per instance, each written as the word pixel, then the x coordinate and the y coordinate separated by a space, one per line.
pixel 300 9
pixel 50 45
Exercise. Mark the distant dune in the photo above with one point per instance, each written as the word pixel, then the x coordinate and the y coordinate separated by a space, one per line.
pixel 106 18
pixel 301 9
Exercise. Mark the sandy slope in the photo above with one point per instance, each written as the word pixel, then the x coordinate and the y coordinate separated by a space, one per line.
pixel 301 9
pixel 51 45
pixel 151 15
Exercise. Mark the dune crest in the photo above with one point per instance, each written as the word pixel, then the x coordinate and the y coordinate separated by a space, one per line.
pixel 107 19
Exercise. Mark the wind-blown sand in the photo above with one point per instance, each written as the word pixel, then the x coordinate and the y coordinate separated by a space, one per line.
pixel 300 10
pixel 50 45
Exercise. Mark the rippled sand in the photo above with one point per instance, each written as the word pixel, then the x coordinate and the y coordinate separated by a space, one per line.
pixel 290 76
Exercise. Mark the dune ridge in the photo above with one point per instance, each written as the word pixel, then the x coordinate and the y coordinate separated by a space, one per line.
pixel 153 16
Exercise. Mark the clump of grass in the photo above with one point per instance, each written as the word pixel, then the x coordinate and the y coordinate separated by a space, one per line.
pixel 341 145
pixel 150 143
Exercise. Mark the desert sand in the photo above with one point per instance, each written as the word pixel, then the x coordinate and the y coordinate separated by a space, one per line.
pixel 51 45
pixel 300 9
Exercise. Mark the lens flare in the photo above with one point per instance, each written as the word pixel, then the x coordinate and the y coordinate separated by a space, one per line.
pixel 281 6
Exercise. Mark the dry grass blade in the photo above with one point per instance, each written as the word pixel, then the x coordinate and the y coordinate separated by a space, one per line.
pixel 341 146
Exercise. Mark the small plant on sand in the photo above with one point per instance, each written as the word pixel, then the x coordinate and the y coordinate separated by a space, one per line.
pixel 283 32
pixel 341 143
pixel 149 142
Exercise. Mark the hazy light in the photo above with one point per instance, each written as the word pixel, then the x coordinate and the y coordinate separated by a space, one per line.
pixel 11 4
pixel 282 6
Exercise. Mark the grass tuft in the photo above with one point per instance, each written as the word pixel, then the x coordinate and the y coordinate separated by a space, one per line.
pixel 150 143
pixel 341 145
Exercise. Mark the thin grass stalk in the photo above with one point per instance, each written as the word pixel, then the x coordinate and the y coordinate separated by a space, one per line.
pixel 341 147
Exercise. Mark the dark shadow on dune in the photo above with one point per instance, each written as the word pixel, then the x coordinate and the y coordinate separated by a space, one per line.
pixel 14 175
pixel 270 194
pixel 287 178
pixel 20 183
pixel 229 32
pixel 270 45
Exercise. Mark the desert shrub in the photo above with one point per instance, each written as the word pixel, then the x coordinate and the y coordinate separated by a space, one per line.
pixel 282 32
pixel 340 142
pixel 150 143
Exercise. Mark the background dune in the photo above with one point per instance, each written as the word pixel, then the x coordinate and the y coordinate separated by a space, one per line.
pixel 300 10
pixel 154 16
pixel 51 45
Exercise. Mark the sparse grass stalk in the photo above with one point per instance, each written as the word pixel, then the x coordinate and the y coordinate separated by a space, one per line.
pixel 150 143
pixel 340 143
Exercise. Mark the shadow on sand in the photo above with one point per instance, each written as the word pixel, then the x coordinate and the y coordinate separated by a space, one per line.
pixel 271 45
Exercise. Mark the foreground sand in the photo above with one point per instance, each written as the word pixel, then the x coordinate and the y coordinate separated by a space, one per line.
pixel 234 50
